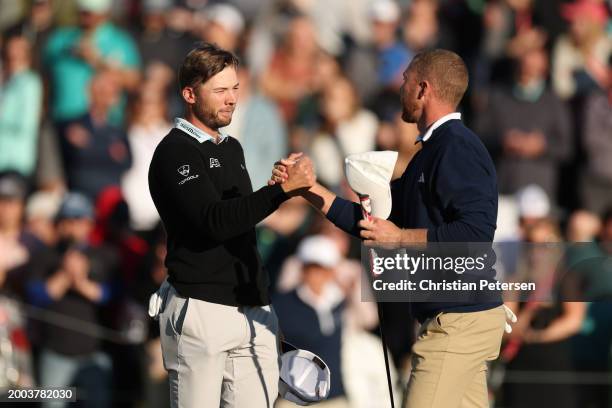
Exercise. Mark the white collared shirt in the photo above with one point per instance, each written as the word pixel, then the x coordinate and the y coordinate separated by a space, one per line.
pixel 197 133
pixel 437 124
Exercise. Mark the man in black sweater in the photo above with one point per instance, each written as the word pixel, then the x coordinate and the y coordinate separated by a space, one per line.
pixel 218 332
pixel 448 193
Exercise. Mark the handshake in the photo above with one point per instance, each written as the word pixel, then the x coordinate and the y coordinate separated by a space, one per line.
pixel 295 174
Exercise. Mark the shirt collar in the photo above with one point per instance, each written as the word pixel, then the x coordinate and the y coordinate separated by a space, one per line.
pixel 437 124
pixel 197 133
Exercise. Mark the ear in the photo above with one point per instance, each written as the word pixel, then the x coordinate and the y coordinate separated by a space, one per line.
pixel 424 89
pixel 188 95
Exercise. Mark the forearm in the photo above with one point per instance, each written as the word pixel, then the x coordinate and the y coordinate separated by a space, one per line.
pixel 57 285
pixel 320 198
pixel 225 219
pixel 565 326
pixel 90 290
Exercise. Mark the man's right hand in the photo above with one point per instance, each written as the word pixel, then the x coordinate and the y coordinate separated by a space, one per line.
pixel 279 171
pixel 294 173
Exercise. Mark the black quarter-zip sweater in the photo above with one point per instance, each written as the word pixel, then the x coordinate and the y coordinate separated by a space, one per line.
pixel 204 196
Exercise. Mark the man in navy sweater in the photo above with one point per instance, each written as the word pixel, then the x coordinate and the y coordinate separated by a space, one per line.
pixel 448 193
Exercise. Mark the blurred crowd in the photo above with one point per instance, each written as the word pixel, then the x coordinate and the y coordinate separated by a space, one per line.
pixel 88 88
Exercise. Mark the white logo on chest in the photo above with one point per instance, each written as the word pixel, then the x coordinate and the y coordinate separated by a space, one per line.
pixel 214 162
pixel 184 170
pixel 422 178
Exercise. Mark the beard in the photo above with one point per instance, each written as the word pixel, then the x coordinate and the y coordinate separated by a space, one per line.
pixel 411 113
pixel 207 115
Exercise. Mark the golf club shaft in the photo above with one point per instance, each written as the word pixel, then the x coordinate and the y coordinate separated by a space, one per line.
pixel 366 212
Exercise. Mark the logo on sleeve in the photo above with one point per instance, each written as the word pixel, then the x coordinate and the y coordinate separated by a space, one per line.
pixel 184 171
pixel 214 162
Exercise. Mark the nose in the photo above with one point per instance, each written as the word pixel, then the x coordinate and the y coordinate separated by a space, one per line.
pixel 232 97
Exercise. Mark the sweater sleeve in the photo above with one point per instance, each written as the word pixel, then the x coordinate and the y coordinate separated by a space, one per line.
pixel 465 183
pixel 345 215
pixel 193 195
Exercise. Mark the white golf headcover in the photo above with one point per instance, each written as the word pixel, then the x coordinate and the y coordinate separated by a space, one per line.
pixel 370 173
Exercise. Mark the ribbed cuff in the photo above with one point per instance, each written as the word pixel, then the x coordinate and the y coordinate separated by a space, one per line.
pixel 336 209
pixel 276 194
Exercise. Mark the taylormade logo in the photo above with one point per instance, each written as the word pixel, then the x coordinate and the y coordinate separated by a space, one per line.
pixel 189 178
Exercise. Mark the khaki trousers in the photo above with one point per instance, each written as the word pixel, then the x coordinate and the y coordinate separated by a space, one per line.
pixel 219 356
pixel 449 359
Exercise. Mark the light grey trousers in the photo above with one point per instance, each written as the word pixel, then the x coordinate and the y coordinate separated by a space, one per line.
pixel 219 356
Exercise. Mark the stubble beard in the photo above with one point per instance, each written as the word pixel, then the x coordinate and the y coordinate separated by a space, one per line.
pixel 209 117
pixel 409 115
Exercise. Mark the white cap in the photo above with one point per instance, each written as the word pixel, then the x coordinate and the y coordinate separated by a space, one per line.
pixel 320 250
pixel 533 202
pixel 95 6
pixel 384 11
pixel 43 204
pixel 226 15
pixel 304 378
pixel 369 174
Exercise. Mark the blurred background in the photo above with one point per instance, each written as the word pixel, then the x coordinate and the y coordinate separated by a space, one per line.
pixel 88 88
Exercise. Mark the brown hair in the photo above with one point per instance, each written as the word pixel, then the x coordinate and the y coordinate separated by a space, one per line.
pixel 204 62
pixel 446 72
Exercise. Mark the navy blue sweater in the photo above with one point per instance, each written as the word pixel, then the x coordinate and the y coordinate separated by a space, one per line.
pixel 449 188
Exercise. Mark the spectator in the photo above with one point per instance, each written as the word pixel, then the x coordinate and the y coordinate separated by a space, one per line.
pixel 18 245
pixel 290 74
pixel 385 59
pixel 36 27
pixel 148 126
pixel 40 211
pixel 347 274
pixel 580 57
pixel 156 41
pixel 508 26
pixel 540 340
pixel 533 206
pixel 259 126
pixel 344 128
pixel 592 346
pixel 596 180
pixel 527 128
pixel 73 56
pixel 162 50
pixel 15 356
pixel 421 27
pixel 96 153
pixel 72 280
pixel 151 276
pixel 223 25
pixel 20 109
pixel 310 316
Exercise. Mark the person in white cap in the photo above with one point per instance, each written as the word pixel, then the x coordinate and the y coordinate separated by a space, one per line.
pixel 224 25
pixel 310 316
pixel 448 193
